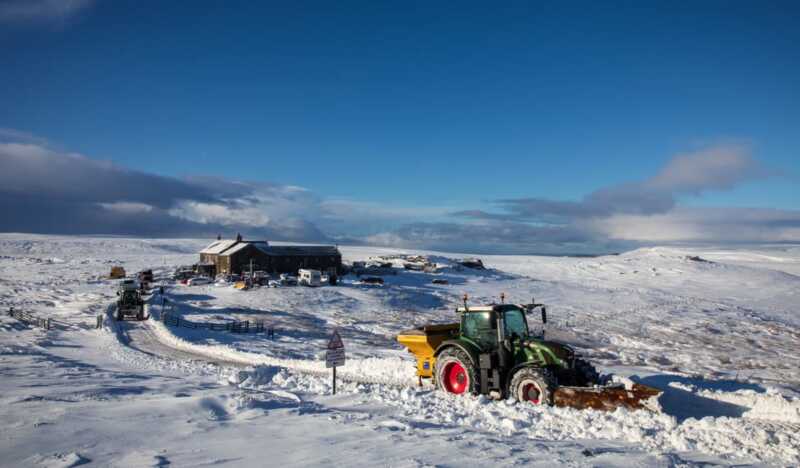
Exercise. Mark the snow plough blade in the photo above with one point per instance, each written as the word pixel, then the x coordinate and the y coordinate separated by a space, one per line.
pixel 608 398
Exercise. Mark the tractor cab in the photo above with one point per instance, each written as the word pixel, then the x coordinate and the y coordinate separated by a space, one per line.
pixel 487 326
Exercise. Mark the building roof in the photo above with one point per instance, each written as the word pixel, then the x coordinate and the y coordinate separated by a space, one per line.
pixel 302 250
pixel 219 246
pixel 260 245
pixel 230 247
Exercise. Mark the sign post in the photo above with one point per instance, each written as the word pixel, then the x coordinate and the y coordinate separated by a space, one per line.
pixel 334 355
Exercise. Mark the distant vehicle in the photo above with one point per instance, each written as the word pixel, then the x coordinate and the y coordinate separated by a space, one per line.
pixel 274 283
pixel 223 279
pixel 145 276
pixel 128 285
pixel 288 280
pixel 183 274
pixel 474 263
pixel 414 266
pixel 117 272
pixel 130 302
pixel 440 281
pixel 372 280
pixel 311 278
pixel 196 281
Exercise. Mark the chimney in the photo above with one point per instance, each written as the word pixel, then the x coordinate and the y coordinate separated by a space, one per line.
pixel 238 237
pixel 219 236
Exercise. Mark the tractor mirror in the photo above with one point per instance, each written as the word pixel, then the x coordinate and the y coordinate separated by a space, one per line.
pixel 544 315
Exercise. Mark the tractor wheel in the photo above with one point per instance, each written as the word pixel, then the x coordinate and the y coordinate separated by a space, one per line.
pixel 533 385
pixel 455 372
pixel 587 375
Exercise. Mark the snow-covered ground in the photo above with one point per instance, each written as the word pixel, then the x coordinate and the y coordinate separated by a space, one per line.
pixel 717 330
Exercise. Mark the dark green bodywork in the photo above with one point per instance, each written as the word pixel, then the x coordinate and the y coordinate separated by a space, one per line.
pixel 499 350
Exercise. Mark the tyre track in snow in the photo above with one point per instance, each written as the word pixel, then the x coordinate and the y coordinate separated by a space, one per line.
pixel 142 337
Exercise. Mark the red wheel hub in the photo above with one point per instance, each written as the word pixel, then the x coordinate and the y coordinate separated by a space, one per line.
pixel 455 378
pixel 530 392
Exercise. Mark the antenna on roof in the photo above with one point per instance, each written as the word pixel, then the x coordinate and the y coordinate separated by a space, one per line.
pixel 502 298
pixel 466 308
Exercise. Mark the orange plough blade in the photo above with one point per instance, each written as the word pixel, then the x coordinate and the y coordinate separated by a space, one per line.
pixel 608 398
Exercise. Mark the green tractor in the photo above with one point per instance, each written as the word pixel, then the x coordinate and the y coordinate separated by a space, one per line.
pixel 492 351
pixel 130 302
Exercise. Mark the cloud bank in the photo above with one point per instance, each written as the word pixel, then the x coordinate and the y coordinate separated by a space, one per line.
pixel 46 191
pixel 43 190
pixel 619 217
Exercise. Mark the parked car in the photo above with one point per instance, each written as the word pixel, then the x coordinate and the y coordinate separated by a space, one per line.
pixel 197 281
pixel 440 281
pixel 288 280
pixel 372 280
pixel 274 283
pixel 182 275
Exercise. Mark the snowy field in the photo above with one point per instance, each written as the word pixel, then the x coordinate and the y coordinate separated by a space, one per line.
pixel 717 330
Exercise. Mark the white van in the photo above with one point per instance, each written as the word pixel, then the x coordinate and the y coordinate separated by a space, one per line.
pixel 309 277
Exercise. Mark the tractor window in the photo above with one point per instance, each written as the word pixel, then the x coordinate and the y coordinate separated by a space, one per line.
pixel 515 323
pixel 478 327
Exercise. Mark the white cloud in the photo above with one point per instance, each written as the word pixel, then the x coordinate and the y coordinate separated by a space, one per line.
pixel 41 10
pixel 217 213
pixel 716 168
pixel 127 207
pixel 705 225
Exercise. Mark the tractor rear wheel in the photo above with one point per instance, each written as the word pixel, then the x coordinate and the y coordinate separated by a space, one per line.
pixel 533 385
pixel 455 372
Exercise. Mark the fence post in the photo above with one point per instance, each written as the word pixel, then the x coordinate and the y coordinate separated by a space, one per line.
pixel 100 321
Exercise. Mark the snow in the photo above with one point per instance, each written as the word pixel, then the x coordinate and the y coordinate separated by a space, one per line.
pixel 716 329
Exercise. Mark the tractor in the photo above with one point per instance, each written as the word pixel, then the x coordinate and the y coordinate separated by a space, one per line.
pixel 130 302
pixel 492 351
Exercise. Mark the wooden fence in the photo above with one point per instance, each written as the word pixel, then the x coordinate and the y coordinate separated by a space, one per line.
pixel 234 327
pixel 29 318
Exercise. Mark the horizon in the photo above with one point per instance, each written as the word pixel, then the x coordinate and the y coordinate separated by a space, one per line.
pixel 578 129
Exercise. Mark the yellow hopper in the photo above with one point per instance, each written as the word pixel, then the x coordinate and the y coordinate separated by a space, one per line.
pixel 422 343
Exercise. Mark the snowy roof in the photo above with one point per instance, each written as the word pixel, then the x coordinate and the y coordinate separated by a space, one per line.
pixel 301 250
pixel 262 246
pixel 217 247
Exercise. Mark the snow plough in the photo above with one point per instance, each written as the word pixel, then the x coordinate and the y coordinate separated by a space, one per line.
pixel 493 352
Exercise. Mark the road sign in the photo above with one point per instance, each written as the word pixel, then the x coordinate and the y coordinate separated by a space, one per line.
pixel 335 341
pixel 334 358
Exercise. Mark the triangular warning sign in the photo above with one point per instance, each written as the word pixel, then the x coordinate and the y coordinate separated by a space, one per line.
pixel 336 341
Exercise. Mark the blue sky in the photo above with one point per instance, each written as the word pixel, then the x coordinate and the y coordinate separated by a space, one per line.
pixel 412 109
